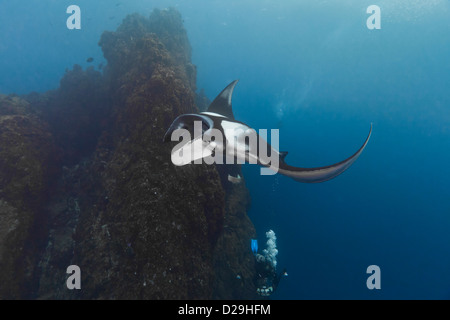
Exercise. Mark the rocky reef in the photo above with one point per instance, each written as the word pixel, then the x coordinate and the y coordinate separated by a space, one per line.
pixel 86 180
pixel 28 164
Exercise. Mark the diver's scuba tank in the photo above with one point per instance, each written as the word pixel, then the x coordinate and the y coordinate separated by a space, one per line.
pixel 254 245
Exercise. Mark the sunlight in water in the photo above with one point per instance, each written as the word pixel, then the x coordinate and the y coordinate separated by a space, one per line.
pixel 412 10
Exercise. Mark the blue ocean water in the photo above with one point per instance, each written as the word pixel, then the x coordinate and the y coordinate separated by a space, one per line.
pixel 313 70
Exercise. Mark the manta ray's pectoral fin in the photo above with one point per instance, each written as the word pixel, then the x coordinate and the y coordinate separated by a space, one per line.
pixel 222 103
pixel 320 174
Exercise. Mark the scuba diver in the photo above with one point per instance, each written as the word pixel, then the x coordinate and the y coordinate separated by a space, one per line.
pixel 266 278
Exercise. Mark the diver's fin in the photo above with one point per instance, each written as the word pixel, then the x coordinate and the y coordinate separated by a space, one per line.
pixel 222 103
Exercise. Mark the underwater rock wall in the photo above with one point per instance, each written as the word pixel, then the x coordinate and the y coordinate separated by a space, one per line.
pixel 77 112
pixel 137 226
pixel 156 231
pixel 28 162
pixel 234 262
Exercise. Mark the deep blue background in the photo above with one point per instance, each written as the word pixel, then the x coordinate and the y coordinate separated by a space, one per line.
pixel 313 70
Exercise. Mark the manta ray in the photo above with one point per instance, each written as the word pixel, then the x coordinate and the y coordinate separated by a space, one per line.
pixel 219 119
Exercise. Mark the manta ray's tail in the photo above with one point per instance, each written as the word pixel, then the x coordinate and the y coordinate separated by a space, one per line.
pixel 320 174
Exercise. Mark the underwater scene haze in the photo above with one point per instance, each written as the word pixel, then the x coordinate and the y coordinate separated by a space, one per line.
pixel 86 179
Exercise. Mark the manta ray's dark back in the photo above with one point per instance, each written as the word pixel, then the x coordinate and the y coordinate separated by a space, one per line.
pixel 222 103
